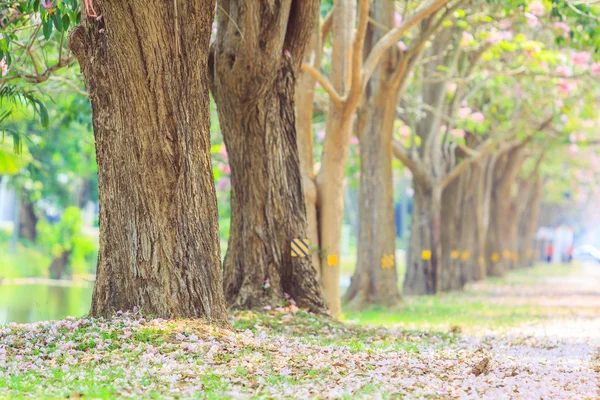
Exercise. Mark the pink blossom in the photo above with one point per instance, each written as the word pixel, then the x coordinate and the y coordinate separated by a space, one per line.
pixel 47 4
pixel 559 103
pixel 4 67
pixel 457 133
pixel 581 58
pixel 397 18
pixel 443 128
pixel 452 88
pixel 564 27
pixel 595 69
pixel 532 20
pixel 402 46
pixel 464 112
pixel 466 39
pixel 536 8
pixel 563 70
pixel 227 169
pixel 354 140
pixel 573 149
pixel 478 117
pixel 320 135
pixel 223 184
pixel 565 87
pixel 404 131
pixel 223 151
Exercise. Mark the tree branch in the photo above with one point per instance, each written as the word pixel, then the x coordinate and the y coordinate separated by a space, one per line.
pixel 414 164
pixel 393 36
pixel 324 82
pixel 356 82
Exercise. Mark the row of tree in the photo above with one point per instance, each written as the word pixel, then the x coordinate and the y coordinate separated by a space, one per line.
pixel 471 97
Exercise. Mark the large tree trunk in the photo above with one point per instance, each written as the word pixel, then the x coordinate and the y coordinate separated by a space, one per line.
pixel 425 247
pixel 28 220
pixel 257 55
pixel 375 280
pixel 530 219
pixel 145 67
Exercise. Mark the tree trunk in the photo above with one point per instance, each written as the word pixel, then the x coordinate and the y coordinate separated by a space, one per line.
pixel 59 265
pixel 531 218
pixel 425 250
pixel 254 88
pixel 375 280
pixel 330 189
pixel 482 211
pixel 28 220
pixel 145 67
pixel 305 94
pixel 501 235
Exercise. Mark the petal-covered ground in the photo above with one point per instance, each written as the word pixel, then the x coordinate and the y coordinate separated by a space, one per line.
pixel 288 353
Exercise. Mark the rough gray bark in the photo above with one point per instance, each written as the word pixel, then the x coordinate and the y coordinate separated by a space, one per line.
pixel 256 57
pixel 145 67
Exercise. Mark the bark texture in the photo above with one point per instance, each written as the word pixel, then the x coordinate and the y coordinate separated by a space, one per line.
pixel 257 55
pixel 145 67
pixel 375 280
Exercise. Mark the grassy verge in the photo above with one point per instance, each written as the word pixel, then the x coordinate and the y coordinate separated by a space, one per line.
pixel 472 309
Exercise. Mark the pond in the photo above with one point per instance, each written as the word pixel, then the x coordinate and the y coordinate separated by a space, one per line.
pixel 42 301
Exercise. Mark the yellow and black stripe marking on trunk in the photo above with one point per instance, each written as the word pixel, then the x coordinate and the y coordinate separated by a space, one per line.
pixel 387 262
pixel 300 247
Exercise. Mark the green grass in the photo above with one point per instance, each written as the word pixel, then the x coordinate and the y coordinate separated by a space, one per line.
pixel 470 309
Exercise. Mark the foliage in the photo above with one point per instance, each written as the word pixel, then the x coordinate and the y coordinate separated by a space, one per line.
pixel 67 235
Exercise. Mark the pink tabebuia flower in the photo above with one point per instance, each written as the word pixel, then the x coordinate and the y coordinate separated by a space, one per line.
pixel 464 112
pixel 466 39
pixel 536 8
pixel 457 133
pixel 532 20
pixel 4 67
pixel 573 149
pixel 451 88
pixel 595 69
pixel 47 4
pixel 563 70
pixel 354 140
pixel 564 27
pixel 581 57
pixel 478 117
pixel 397 18
pixel 404 131
pixel 402 46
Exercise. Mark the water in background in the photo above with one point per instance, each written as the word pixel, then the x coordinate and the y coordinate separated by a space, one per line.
pixel 39 302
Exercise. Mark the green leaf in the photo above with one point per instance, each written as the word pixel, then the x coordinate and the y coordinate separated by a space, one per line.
pixel 47 29
pixel 57 22
pixel 66 22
